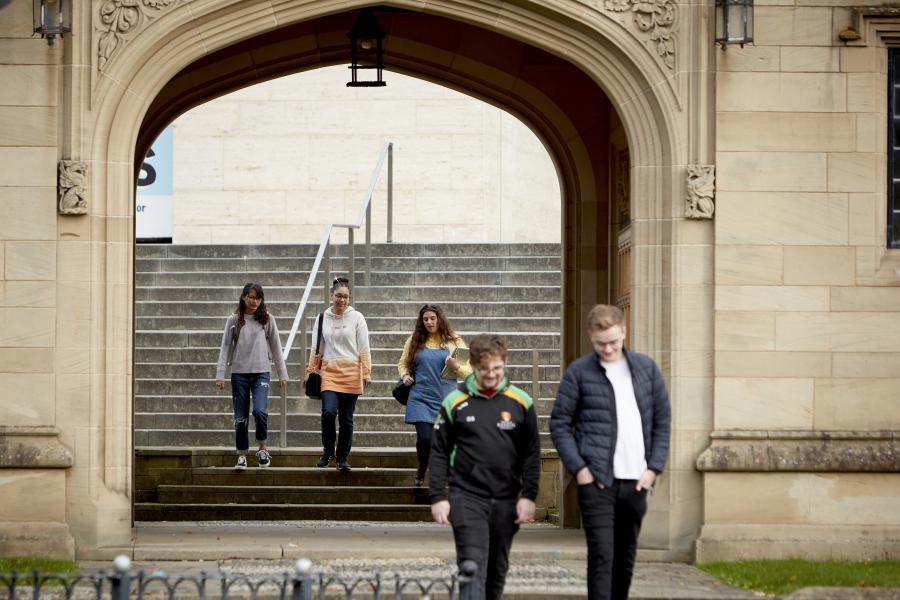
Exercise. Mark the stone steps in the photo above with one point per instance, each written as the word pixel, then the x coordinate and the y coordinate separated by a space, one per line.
pixel 245 251
pixel 151 511
pixel 296 404
pixel 405 293
pixel 293 494
pixel 183 427
pixel 380 372
pixel 378 278
pixel 193 387
pixel 297 422
pixel 387 356
pixel 379 324
pixel 517 340
pixel 284 311
pixel 340 264
pixel 312 437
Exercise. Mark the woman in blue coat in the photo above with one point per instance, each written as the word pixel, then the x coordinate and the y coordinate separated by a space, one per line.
pixel 430 349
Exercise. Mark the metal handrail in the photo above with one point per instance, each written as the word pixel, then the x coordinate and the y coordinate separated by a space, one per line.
pixel 324 252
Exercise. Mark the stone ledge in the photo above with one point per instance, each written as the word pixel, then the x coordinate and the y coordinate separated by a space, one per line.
pixel 802 451
pixel 33 448
pixel 816 542
pixel 47 540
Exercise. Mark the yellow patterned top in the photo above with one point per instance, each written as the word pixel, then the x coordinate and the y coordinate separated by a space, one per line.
pixel 434 341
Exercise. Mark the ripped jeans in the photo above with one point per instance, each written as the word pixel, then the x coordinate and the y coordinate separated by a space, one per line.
pixel 243 386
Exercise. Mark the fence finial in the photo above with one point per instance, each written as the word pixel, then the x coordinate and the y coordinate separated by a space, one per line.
pixel 303 566
pixel 122 563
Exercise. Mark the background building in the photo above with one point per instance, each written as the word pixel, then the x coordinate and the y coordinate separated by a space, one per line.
pixel 739 202
pixel 297 153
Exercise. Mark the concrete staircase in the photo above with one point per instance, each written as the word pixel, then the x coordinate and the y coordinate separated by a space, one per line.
pixel 183 431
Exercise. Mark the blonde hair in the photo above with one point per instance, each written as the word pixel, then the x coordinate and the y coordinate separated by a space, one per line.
pixel 604 316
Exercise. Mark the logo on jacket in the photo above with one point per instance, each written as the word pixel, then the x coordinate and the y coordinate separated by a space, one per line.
pixel 505 423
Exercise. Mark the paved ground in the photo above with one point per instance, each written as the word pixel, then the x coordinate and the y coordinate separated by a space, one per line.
pixel 546 562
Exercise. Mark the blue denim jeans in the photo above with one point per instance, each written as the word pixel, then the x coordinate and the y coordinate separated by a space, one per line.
pixel 337 404
pixel 243 387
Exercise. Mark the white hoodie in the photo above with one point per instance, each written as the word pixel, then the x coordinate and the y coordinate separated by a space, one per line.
pixel 344 351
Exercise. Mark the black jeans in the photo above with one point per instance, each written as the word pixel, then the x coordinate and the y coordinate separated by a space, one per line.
pixel 483 529
pixel 243 387
pixel 337 404
pixel 611 518
pixel 423 445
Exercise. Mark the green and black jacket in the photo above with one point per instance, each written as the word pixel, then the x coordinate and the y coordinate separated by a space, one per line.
pixel 487 446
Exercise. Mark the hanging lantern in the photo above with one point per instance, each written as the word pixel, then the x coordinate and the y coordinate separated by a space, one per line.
pixel 52 18
pixel 366 50
pixel 734 22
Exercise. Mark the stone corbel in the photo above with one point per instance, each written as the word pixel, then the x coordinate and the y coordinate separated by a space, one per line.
pixel 700 202
pixel 873 26
pixel 72 187
pixel 33 448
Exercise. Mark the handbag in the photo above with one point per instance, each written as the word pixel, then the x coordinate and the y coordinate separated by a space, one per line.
pixel 401 392
pixel 313 385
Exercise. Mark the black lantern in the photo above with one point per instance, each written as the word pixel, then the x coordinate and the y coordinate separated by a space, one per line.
pixel 366 51
pixel 734 22
pixel 52 18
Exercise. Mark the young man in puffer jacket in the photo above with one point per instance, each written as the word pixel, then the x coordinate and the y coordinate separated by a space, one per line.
pixel 610 424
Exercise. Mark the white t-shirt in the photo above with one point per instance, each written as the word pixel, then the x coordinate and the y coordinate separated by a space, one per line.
pixel 629 460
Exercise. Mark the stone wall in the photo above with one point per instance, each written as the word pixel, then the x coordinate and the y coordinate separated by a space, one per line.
pixel 32 461
pixel 276 161
pixel 806 322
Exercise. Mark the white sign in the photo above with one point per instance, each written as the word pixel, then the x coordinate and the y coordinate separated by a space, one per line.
pixel 153 206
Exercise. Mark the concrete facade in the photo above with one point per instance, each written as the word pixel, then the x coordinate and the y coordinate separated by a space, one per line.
pixel 775 321
pixel 258 165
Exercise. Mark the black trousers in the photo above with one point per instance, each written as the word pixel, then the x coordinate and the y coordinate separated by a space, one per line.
pixel 337 405
pixel 483 529
pixel 611 518
pixel 423 445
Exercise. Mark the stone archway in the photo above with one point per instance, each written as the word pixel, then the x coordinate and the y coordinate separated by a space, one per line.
pixel 556 67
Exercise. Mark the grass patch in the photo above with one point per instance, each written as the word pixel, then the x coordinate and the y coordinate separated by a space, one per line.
pixel 47 566
pixel 785 576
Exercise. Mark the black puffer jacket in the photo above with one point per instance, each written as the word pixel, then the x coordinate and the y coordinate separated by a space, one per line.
pixel 583 423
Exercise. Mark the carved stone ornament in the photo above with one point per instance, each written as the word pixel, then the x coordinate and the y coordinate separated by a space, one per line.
pixel 72 187
pixel 656 18
pixel 120 20
pixel 701 192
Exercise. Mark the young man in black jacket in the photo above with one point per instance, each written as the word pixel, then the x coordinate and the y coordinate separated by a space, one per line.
pixel 486 446
pixel 610 424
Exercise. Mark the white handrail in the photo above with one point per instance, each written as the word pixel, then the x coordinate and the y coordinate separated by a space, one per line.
pixel 365 214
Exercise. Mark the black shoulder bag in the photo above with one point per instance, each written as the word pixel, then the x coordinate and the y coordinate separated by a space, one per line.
pixel 313 386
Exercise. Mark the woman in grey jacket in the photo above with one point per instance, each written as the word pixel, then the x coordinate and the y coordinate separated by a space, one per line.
pixel 249 344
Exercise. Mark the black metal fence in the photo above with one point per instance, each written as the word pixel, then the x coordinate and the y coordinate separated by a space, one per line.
pixel 122 583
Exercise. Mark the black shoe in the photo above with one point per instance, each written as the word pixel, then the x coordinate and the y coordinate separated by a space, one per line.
pixel 343 466
pixel 324 460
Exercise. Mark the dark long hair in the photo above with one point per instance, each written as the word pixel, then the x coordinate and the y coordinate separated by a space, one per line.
pixel 420 334
pixel 262 313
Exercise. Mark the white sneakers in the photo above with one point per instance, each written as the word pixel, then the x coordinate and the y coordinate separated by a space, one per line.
pixel 263 456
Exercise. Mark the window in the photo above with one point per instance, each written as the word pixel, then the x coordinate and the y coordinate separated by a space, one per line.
pixel 893 194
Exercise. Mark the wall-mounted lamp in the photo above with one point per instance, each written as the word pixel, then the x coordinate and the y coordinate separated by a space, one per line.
pixel 52 18
pixel 366 47
pixel 734 22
